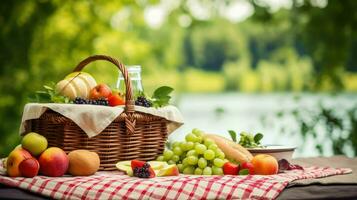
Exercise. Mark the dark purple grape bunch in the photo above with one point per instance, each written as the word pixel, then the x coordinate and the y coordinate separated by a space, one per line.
pixel 102 102
pixel 143 101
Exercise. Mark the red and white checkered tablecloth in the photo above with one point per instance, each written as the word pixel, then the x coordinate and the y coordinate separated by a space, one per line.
pixel 104 185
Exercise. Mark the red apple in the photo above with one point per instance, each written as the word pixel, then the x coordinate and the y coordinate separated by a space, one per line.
pixel 249 166
pixel 29 167
pixel 53 162
pixel 14 159
pixel 101 91
pixel 115 100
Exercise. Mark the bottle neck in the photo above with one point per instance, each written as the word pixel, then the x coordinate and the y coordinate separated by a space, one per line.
pixel 134 76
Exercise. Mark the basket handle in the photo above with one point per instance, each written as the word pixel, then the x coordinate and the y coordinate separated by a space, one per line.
pixel 130 120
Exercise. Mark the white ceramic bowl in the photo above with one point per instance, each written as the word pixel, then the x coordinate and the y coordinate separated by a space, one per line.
pixel 278 151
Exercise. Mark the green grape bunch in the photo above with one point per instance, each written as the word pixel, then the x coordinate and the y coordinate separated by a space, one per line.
pixel 196 155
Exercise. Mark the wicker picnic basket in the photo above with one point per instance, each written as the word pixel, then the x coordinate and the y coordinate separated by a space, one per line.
pixel 132 135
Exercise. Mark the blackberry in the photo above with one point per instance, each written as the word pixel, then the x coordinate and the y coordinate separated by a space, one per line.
pixel 142 101
pixel 136 171
pixel 142 172
pixel 146 165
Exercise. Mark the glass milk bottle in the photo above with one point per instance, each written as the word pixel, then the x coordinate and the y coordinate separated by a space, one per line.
pixel 134 72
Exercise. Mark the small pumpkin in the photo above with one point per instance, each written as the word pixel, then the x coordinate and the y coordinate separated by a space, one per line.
pixel 76 84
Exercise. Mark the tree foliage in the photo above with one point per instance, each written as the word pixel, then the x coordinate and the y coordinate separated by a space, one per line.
pixel 326 34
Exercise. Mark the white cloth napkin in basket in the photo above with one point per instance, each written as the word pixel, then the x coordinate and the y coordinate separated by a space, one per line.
pixel 93 119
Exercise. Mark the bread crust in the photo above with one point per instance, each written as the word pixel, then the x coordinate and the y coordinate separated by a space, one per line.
pixel 231 149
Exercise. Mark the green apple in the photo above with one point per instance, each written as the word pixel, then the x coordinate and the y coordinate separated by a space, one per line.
pixel 34 143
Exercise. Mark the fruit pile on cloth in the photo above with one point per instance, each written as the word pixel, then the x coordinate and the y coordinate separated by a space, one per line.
pixel 104 185
pixel 99 116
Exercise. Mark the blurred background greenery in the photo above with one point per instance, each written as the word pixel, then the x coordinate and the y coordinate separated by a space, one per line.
pixel 214 47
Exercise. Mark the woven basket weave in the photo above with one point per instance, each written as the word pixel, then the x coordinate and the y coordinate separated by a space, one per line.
pixel 133 135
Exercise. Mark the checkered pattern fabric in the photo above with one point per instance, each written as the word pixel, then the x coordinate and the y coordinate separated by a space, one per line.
pixel 104 185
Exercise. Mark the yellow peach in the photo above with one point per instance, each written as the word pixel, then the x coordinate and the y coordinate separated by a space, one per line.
pixel 265 164
pixel 83 162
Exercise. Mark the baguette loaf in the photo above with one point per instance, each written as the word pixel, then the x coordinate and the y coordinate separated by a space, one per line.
pixel 231 149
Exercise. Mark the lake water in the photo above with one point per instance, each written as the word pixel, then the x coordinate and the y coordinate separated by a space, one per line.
pixel 217 113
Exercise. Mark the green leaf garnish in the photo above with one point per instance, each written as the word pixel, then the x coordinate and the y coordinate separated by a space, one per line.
pixel 258 137
pixel 233 135
pixel 49 95
pixel 162 91
pixel 168 145
pixel 48 87
pixel 247 140
pixel 161 96
pixel 243 172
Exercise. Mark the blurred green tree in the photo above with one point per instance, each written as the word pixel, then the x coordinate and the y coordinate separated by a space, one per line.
pixel 327 33
pixel 19 22
pixel 209 45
